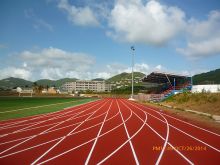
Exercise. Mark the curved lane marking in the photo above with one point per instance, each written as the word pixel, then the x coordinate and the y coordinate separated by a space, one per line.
pixel 61 140
pixel 189 161
pixel 39 134
pixel 166 139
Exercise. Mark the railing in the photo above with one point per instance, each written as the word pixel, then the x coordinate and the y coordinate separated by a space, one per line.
pixel 163 96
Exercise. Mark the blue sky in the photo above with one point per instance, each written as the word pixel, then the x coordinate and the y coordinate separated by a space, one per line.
pixel 92 38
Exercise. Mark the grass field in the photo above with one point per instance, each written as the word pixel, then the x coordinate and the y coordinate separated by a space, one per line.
pixel 16 107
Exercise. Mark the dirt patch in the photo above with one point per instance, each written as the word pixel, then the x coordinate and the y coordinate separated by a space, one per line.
pixel 202 102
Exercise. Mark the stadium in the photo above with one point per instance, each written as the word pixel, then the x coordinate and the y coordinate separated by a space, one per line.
pixel 115 82
pixel 86 130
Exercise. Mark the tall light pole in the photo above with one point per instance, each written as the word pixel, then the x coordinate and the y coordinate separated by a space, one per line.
pixel 132 81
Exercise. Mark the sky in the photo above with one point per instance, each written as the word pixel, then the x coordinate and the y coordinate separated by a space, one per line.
pixel 86 39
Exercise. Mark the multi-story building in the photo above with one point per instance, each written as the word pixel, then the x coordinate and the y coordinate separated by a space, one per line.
pixel 85 85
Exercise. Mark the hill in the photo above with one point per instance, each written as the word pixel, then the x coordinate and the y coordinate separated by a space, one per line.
pixel 60 82
pixel 12 82
pixel 212 77
pixel 121 83
pixel 98 79
pixel 56 83
pixel 125 76
pixel 44 82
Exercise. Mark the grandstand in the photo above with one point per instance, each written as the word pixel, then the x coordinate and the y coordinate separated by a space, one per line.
pixel 163 85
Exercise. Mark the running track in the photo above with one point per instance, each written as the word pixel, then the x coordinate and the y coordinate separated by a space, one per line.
pixel 108 131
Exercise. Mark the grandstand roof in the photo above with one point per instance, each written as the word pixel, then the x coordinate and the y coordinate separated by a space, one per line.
pixel 162 78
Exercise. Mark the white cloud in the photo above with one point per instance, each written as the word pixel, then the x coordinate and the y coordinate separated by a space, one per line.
pixel 104 75
pixel 57 58
pixel 82 16
pixel 144 68
pixel 206 28
pixel 117 68
pixel 204 37
pixel 54 63
pixel 193 72
pixel 158 67
pixel 150 23
pixel 15 72
pixel 38 23
pixel 25 65
pixel 3 46
pixel 51 73
pixel 204 48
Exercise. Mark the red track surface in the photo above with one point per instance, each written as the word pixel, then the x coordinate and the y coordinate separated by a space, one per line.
pixel 109 131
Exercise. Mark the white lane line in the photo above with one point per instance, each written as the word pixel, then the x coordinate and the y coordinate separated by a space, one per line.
pixel 183 156
pixel 33 129
pixel 31 137
pixel 65 114
pixel 193 125
pixel 72 149
pixel 45 130
pixel 32 126
pixel 35 161
pixel 74 133
pixel 165 143
pixel 40 116
pixel 167 135
pixel 59 129
pixel 93 146
pixel 193 137
pixel 127 141
pixel 183 121
pixel 29 148
pixel 37 127
pixel 66 151
pixel 128 136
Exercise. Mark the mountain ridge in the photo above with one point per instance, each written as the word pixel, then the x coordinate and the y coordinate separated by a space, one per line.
pixel 12 82
pixel 211 77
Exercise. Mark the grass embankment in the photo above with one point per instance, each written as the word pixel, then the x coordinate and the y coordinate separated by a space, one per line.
pixel 16 107
pixel 202 102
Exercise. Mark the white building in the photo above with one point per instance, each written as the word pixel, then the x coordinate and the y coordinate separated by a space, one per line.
pixel 84 85
pixel 206 88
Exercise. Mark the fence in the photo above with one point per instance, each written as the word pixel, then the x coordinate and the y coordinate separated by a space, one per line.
pixel 206 88
pixel 148 97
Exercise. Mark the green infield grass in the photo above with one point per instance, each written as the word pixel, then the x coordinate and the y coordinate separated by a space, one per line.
pixel 16 107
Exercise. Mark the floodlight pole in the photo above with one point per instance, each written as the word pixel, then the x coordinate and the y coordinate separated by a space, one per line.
pixel 132 81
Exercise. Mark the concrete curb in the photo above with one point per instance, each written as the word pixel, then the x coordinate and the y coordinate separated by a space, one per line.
pixel 215 117
pixel 200 113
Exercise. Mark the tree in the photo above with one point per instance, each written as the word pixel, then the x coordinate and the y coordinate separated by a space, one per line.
pixel 40 88
pixel 47 87
pixel 35 87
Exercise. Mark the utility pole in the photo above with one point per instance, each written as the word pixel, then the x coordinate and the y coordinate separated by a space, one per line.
pixel 132 81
